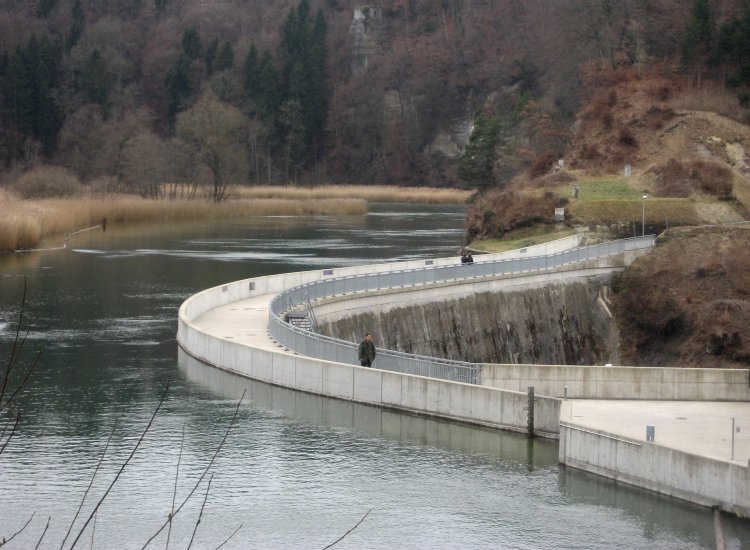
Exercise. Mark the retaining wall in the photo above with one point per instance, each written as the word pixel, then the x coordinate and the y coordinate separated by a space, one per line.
pixel 697 479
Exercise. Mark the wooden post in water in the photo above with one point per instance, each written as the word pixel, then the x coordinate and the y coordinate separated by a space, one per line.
pixel 719 529
pixel 530 415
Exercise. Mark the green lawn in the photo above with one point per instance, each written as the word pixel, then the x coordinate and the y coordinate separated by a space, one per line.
pixel 523 238
pixel 603 189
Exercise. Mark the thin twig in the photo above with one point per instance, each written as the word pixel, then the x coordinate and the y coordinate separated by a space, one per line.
pixel 91 482
pixel 22 383
pixel 174 493
pixel 229 537
pixel 349 531
pixel 13 431
pixel 138 444
pixel 20 530
pixel 43 533
pixel 205 471
pixel 93 530
pixel 200 514
pixel 5 428
pixel 14 350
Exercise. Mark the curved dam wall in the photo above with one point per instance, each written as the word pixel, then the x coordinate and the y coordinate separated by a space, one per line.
pixel 470 403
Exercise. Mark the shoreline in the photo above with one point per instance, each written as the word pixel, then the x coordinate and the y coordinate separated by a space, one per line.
pixel 30 221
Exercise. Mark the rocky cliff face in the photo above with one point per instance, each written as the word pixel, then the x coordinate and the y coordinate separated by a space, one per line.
pixel 556 324
pixel 365 33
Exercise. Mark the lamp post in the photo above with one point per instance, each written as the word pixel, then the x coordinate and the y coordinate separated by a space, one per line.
pixel 643 216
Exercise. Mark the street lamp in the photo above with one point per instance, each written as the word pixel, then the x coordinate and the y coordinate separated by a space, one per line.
pixel 643 216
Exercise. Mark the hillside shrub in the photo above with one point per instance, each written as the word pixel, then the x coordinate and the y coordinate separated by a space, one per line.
pixel 627 138
pixel 47 182
pixel 494 214
pixel 657 117
pixel 683 178
pixel 543 164
pixel 107 185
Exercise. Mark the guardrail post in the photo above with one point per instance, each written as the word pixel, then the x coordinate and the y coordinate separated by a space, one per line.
pixel 530 413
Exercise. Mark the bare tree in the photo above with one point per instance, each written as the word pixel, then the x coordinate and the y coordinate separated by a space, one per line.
pixel 216 132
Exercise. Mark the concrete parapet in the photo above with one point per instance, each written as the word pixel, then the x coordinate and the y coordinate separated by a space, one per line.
pixel 601 382
pixel 438 398
pixel 699 479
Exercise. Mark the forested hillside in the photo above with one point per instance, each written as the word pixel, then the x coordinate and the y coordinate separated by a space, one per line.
pixel 128 94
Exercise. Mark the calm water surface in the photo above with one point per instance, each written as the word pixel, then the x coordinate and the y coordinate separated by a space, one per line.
pixel 296 471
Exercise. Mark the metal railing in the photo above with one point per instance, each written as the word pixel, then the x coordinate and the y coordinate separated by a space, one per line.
pixel 333 349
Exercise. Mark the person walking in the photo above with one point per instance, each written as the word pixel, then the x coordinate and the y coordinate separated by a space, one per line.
pixel 367 351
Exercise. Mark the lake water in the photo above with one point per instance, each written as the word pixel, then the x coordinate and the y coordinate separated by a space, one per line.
pixel 296 471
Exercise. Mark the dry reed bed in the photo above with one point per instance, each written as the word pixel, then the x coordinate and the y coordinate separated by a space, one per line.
pixel 370 193
pixel 25 223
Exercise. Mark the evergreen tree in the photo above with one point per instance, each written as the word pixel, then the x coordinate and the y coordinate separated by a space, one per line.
pixel 178 87
pixel 698 42
pixel 45 7
pixel 18 104
pixel 304 54
pixel 225 57
pixel 734 46
pixel 76 27
pixel 268 88
pixel 317 75
pixel 191 43
pixel 477 163
pixel 93 79
pixel 250 74
pixel 210 57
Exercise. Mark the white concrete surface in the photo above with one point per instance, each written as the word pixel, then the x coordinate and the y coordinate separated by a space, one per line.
pixel 691 456
pixel 227 326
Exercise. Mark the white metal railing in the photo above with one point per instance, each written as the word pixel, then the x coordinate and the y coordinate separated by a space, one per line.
pixel 318 346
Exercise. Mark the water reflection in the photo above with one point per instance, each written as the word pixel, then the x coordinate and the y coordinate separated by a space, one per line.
pixel 372 421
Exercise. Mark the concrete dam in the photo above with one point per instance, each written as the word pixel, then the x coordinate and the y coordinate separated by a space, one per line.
pixel 663 429
pixel 554 324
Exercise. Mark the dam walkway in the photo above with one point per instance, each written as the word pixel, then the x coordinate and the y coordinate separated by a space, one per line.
pixel 696 452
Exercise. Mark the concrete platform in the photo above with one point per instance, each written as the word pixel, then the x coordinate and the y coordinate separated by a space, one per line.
pixel 699 428
pixel 243 321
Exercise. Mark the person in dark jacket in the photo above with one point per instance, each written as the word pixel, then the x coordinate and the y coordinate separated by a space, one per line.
pixel 367 351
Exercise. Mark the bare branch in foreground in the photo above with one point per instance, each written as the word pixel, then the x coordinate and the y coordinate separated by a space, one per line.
pixel 230 537
pixel 205 471
pixel 200 515
pixel 20 386
pixel 15 349
pixel 19 531
pixel 12 431
pixel 127 461
pixel 43 533
pixel 91 482
pixel 174 493
pixel 349 531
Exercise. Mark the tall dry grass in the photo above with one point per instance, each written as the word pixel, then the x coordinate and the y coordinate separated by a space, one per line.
pixel 25 223
pixel 709 97
pixel 370 193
